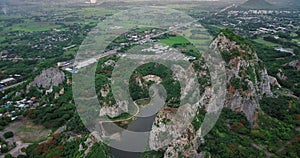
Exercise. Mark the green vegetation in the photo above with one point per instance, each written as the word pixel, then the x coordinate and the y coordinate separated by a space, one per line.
pixel 174 40
pixel 227 137
pixel 283 108
pixel 8 156
pixel 251 73
pixel 226 56
pixel 57 146
pixel 180 43
pixel 269 55
pixel 266 43
pixel 236 82
pixel 153 154
pixel 172 86
pixel 271 132
pixel 120 117
pixel 234 37
pixel 29 132
pixel 8 134
pixel 99 150
pixel 198 119
pixel 52 116
pixel 38 39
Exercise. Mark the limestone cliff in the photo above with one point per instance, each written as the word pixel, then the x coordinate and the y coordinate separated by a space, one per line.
pixel 247 79
pixel 48 78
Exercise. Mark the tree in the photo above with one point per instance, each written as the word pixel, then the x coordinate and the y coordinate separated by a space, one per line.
pixel 8 134
pixel 8 156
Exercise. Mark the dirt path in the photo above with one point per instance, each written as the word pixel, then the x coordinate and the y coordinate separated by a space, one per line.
pixel 268 154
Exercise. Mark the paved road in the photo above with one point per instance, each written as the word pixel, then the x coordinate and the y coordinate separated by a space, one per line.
pixel 12 86
pixel 95 59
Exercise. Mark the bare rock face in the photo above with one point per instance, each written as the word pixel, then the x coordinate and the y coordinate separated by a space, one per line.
pixel 184 145
pixel 294 64
pixel 265 85
pixel 274 82
pixel 48 78
pixel 90 141
pixel 246 79
pixel 114 111
pixel 281 75
pixel 174 133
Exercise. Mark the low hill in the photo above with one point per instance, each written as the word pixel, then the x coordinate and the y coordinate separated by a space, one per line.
pixel 256 4
pixel 286 3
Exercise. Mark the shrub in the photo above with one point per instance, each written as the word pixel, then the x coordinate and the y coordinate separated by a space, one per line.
pixel 8 156
pixel 8 134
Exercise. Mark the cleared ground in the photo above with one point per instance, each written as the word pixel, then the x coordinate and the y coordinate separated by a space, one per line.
pixel 25 133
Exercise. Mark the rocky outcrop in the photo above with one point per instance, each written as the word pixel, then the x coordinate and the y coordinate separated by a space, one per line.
pixel 273 81
pixel 114 111
pixel 246 79
pixel 48 78
pixel 90 141
pixel 294 64
pixel 172 130
pixel 266 85
pixel 281 75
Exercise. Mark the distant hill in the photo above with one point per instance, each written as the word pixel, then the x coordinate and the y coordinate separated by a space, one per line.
pixel 286 3
pixel 256 4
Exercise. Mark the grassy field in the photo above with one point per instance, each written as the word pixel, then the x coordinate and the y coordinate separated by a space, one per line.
pixel 32 26
pixel 262 41
pixel 26 131
pixel 143 101
pixel 29 132
pixel 71 51
pixel 2 38
pixel 174 40
pixel 296 40
pixel 92 11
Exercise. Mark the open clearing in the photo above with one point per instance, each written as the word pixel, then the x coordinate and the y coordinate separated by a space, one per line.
pixel 262 41
pixel 26 131
pixel 174 40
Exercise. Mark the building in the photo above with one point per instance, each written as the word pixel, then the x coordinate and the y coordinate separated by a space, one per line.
pixel 62 64
pixel 7 81
pixel 69 47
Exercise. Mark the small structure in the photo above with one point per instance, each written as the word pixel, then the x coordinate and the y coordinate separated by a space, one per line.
pixel 21 106
pixel 73 71
pixel 4 53
pixel 7 81
pixel 285 50
pixel 6 107
pixel 62 64
pixel 110 63
pixel 14 118
pixel 69 47
pixel 153 78
pixel 30 102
